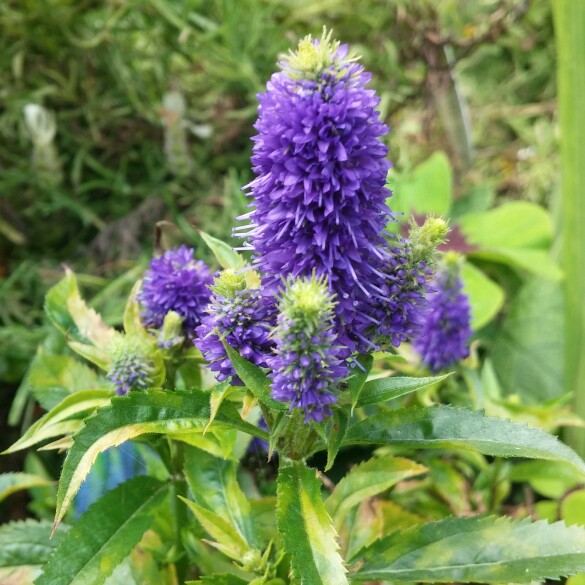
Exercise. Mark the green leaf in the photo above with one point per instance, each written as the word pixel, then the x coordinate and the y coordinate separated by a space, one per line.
pixel 307 533
pixel 51 378
pixel 254 378
pixel 485 296
pixel 517 233
pixel 101 538
pixel 214 486
pixel 427 189
pixel 50 425
pixel 358 378
pixel 13 482
pixel 529 349
pixel 480 550
pixel 218 394
pixel 69 313
pixel 219 580
pixel 26 543
pixel 224 253
pixel 445 426
pixel 366 480
pixel 228 541
pixel 131 416
pixel 339 422
pixel 392 387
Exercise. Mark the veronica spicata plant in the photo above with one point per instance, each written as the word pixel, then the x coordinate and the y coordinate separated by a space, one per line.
pixel 293 349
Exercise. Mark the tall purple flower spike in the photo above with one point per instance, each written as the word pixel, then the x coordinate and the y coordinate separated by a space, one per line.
pixel 445 333
pixel 175 282
pixel 319 192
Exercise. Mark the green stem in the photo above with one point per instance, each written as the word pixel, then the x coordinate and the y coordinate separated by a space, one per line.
pixel 569 18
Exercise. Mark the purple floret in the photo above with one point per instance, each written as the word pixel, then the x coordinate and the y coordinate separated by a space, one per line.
pixel 244 321
pixel 175 282
pixel 129 372
pixel 445 333
pixel 319 192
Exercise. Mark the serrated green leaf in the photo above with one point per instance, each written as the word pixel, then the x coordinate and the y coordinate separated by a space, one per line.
pixel 102 537
pixel 445 426
pixel 132 322
pixel 69 313
pixel 214 485
pixel 254 378
pixel 26 543
pixel 13 482
pixel 224 253
pixel 366 480
pixel 480 550
pixel 392 387
pixel 217 395
pixel 48 426
pixel 307 533
pixel 358 378
pixel 134 415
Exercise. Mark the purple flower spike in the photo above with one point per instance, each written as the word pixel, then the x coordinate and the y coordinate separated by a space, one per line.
pixel 308 365
pixel 444 337
pixel 319 192
pixel 244 318
pixel 175 282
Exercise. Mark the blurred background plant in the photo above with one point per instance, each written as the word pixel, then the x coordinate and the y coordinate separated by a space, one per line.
pixel 119 117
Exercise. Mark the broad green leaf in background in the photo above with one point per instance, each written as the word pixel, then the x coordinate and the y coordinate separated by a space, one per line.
pixel 426 189
pixel 548 478
pixel 445 426
pixel 104 536
pixel 215 487
pixel 307 533
pixel 13 482
pixel 573 508
pixel 366 480
pixel 24 547
pixel 392 387
pixel 224 253
pixel 134 415
pixel 254 378
pixel 529 348
pixel 480 550
pixel 485 296
pixel 51 424
pixel 518 233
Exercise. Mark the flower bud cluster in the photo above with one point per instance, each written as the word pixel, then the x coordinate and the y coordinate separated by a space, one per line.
pixel 131 364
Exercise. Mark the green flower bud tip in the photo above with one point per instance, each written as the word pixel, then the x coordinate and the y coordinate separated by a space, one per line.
pixel 228 283
pixel 307 298
pixel 171 333
pixel 313 56
pixel 425 239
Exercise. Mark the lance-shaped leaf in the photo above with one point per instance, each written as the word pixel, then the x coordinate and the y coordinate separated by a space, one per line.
pixel 104 536
pixel 26 544
pixel 134 415
pixel 11 483
pixel 308 535
pixel 215 487
pixel 358 378
pixel 69 313
pixel 479 550
pixel 224 253
pixel 254 378
pixel 337 431
pixel 393 387
pixel 447 427
pixel 366 480
pixel 50 425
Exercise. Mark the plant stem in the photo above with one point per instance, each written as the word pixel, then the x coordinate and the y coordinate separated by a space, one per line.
pixel 569 16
